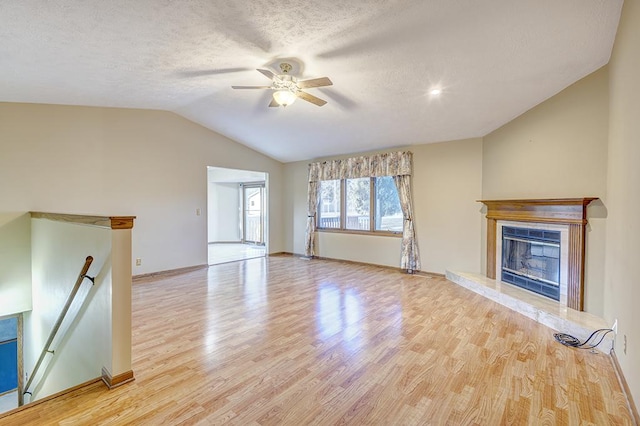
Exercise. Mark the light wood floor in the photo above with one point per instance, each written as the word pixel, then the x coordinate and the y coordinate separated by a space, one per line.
pixel 231 252
pixel 294 342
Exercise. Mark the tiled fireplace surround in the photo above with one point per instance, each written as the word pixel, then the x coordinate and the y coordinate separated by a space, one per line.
pixel 568 215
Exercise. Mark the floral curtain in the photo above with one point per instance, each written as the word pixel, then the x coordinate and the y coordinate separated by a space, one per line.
pixel 410 255
pixel 396 164
pixel 312 205
pixel 387 164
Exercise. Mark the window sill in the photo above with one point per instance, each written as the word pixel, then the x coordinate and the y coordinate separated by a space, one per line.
pixel 356 232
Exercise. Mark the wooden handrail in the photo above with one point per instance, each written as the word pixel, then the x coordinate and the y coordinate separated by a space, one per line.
pixel 112 222
pixel 58 323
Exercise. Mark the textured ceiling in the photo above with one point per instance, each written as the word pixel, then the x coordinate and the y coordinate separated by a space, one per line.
pixel 494 59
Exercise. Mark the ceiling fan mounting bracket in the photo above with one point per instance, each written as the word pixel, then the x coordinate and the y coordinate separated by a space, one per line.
pixel 285 67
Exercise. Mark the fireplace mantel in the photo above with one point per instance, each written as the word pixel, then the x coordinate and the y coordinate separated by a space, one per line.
pixel 564 211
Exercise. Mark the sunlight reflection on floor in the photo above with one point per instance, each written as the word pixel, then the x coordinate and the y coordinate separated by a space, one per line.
pixel 230 252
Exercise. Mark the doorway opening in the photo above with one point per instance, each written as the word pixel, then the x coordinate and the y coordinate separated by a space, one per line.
pixel 237 214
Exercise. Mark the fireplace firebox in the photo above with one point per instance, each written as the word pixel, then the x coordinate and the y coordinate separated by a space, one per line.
pixel 531 260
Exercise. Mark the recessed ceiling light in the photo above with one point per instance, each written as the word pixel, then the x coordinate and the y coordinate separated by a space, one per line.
pixel 435 92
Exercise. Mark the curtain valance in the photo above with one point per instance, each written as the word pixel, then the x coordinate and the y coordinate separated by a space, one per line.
pixel 377 165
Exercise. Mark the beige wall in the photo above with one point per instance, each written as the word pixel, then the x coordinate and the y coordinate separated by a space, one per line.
pixel 446 184
pixel 558 149
pixel 113 161
pixel 360 248
pixel 15 263
pixel 622 280
pixel 295 212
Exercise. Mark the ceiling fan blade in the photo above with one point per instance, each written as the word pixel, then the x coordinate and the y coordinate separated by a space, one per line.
pixel 267 74
pixel 251 87
pixel 314 82
pixel 310 98
pixel 274 103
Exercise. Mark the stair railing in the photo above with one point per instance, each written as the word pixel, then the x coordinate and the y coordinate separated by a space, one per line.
pixel 58 323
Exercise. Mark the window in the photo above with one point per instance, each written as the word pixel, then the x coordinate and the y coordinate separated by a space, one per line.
pixel 389 213
pixel 329 204
pixel 358 204
pixel 363 204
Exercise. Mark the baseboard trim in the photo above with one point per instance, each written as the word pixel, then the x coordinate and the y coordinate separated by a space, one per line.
pixel 179 271
pixel 430 274
pixel 353 262
pixel 625 387
pixel 280 254
pixel 117 380
pixel 169 272
pixel 86 384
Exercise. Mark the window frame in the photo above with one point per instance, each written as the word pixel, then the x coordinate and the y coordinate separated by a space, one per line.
pixel 343 213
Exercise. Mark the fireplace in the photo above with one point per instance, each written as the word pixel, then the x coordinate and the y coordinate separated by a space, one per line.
pixel 531 260
pixel 545 247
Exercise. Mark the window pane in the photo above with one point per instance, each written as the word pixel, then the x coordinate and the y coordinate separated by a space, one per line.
pixel 388 211
pixel 358 204
pixel 329 204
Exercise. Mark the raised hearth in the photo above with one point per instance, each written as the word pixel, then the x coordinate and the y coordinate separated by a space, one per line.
pixel 540 309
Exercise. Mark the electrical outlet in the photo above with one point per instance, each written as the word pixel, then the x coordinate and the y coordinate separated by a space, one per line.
pixel 624 344
pixel 138 261
pixel 614 327
pixel 198 212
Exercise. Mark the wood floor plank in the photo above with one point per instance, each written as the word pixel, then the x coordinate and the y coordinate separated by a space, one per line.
pixel 285 341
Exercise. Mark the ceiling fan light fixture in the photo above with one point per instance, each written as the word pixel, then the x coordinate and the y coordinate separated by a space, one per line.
pixel 284 97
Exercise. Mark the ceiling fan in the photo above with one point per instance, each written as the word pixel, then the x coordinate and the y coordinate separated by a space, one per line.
pixel 287 88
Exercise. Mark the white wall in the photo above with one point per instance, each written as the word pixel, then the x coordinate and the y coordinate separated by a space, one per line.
pixel 224 212
pixel 83 345
pixel 15 263
pixel 447 181
pixel 112 161
pixel 622 287
pixel 559 150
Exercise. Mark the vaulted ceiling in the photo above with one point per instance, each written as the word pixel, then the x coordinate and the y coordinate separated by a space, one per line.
pixel 492 59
